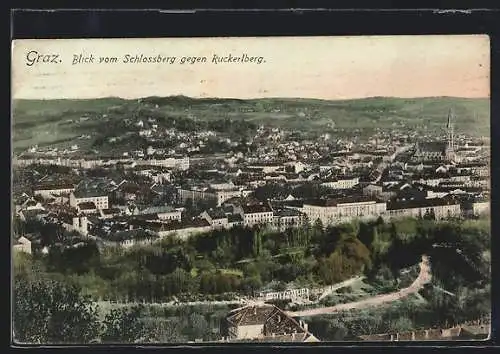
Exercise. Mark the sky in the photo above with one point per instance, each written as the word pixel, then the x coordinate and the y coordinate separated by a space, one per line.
pixel 306 67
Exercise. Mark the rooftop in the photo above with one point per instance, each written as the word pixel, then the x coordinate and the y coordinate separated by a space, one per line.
pixel 158 209
pixel 342 200
pixel 53 186
pixel 423 203
pixel 87 206
pixel 274 320
pixel 287 213
pixel 169 226
pixel 217 213
pixel 294 337
pixel 433 146
pixel 256 208
pixel 234 218
pixel 89 193
pixel 111 211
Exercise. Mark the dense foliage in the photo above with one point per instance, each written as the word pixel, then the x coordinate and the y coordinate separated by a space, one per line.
pixel 214 265
pixel 48 311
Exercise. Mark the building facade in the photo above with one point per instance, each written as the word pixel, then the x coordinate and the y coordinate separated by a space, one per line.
pixel 99 199
pixel 344 209
pixel 439 208
pixel 258 214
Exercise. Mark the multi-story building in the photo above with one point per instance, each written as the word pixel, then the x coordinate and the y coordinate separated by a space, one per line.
pixel 180 163
pixel 197 193
pixel 162 212
pixel 217 218
pixel 341 183
pixel 431 151
pixel 211 194
pixel 476 206
pixel 332 211
pixel 440 208
pixel 257 214
pixel 99 198
pixel 287 218
pixel 53 189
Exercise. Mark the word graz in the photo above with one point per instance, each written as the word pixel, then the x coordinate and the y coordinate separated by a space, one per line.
pixel 33 57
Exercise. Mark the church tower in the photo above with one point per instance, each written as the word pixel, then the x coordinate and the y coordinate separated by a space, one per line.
pixel 450 147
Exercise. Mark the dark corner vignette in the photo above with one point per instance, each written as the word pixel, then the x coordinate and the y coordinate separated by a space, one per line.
pixel 271 218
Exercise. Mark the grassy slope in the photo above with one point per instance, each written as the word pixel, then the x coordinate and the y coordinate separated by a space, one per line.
pixel 42 122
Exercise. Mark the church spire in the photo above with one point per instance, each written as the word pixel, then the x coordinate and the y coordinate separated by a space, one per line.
pixel 449 124
pixel 450 132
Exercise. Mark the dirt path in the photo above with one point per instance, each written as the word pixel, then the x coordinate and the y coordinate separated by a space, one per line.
pixel 423 278
pixel 338 286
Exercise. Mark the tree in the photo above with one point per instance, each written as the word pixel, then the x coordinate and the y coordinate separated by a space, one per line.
pixel 317 231
pixel 251 284
pixel 401 324
pixel 198 326
pixel 328 329
pixel 366 235
pixel 52 312
pixel 257 243
pixel 124 326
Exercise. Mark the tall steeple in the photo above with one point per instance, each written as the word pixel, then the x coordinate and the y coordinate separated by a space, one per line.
pixel 450 149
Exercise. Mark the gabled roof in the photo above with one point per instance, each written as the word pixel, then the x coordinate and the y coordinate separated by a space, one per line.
pixel 23 241
pixel 434 146
pixel 158 209
pixel 286 338
pixel 256 208
pixel 277 325
pixel 87 206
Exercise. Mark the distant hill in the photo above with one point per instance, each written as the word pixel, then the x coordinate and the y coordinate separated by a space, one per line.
pixel 49 121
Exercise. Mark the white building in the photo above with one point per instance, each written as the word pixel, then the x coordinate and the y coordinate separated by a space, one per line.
pixel 22 245
pixel 49 191
pixel 163 212
pixel 257 214
pixel 217 218
pixel 99 198
pixel 211 194
pixel 441 208
pixel 77 223
pixel 289 294
pixel 342 183
pixel 181 163
pixel 333 211
pixel 287 218
pixel 481 207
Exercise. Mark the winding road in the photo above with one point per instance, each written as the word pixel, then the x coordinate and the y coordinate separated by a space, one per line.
pixel 423 278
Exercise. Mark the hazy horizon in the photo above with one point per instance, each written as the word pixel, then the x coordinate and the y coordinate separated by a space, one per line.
pixel 255 98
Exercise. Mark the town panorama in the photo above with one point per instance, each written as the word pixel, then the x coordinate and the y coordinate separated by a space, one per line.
pixel 174 220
